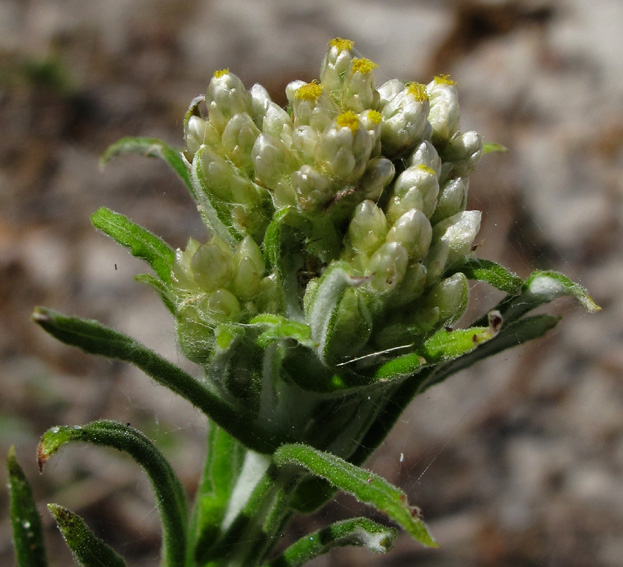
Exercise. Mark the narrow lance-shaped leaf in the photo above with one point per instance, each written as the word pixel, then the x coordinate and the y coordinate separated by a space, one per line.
pixel 88 550
pixel 493 274
pixel 151 147
pixel 94 338
pixel 169 495
pixel 25 519
pixel 359 532
pixel 223 463
pixel 364 485
pixel 540 288
pixel 139 241
pixel 493 147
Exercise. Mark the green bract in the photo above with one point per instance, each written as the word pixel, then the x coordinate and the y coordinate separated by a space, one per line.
pixel 325 297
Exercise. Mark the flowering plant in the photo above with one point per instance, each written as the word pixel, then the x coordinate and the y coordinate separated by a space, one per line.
pixel 325 298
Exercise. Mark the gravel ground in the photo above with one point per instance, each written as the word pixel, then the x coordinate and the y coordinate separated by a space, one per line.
pixel 516 462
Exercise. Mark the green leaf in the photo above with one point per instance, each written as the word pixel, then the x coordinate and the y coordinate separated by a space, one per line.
pixel 151 147
pixel 511 335
pixel 493 147
pixel 493 274
pixel 25 519
pixel 272 239
pixel 139 241
pixel 359 532
pixel 541 288
pixel 364 485
pixel 223 463
pixel 162 289
pixel 88 550
pixel 168 491
pixel 278 328
pixel 94 338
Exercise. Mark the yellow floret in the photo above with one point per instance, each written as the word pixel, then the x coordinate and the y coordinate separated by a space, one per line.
pixel 310 91
pixel 426 169
pixel 348 119
pixel 417 91
pixel 218 74
pixel 342 44
pixel 374 116
pixel 363 65
pixel 443 80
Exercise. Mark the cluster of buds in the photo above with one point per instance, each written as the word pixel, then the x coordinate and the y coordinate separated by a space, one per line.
pixel 370 185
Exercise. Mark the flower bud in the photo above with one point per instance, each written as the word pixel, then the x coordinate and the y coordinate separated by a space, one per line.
pixel 304 141
pixel 452 199
pixel 312 106
pixel 387 266
pixel 377 176
pixel 226 97
pixel 248 269
pixel 426 154
pixel 260 101
pixel 216 174
pixel 181 275
pixel 238 139
pixel 435 262
pixel 414 232
pixel 371 120
pixel 272 160
pixel 444 108
pixel 389 90
pixel 368 228
pixel 212 264
pixel 194 134
pixel 270 295
pixel 277 122
pixel 359 93
pixel 448 300
pixel 404 119
pixel 464 151
pixel 311 187
pixel 416 188
pixel 343 149
pixel 223 306
pixel 458 232
pixel 336 63
pixel 412 285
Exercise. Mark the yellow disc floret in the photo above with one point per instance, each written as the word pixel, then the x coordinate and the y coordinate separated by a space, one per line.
pixel 417 91
pixel 348 119
pixel 342 44
pixel 218 74
pixel 310 91
pixel 363 65
pixel 374 116
pixel 444 80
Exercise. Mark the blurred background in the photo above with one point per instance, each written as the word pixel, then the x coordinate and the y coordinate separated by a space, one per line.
pixel 516 462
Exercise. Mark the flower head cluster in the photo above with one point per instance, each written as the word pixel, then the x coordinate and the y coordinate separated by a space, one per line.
pixel 362 189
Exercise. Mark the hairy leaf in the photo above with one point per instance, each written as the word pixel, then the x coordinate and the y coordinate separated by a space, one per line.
pixel 359 532
pixel 88 550
pixel 364 485
pixel 169 495
pixel 139 241
pixel 25 519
